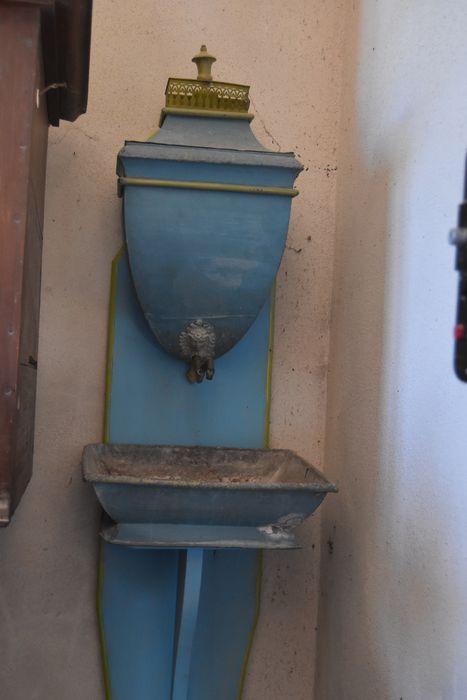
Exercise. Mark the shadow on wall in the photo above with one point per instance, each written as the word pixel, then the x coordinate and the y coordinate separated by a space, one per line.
pixel 383 589
pixel 354 402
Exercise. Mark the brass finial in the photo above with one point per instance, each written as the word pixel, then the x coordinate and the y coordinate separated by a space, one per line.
pixel 204 61
pixel 203 96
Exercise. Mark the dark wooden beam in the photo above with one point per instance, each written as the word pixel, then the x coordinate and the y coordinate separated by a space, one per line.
pixel 23 145
pixel 66 41
pixel 30 2
pixel 41 42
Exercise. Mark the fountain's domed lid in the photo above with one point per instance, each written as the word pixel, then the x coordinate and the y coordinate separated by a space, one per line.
pixel 207 121
pixel 205 96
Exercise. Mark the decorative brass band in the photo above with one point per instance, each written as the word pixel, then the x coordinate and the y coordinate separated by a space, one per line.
pixel 212 186
pixel 185 93
pixel 219 114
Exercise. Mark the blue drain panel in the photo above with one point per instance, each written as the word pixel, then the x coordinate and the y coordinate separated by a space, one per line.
pixel 227 610
pixel 178 625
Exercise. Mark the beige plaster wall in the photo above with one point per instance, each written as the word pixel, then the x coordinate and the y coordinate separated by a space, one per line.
pixel 289 53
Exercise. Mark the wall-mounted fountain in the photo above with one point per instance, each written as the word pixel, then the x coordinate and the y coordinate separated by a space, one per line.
pixel 190 489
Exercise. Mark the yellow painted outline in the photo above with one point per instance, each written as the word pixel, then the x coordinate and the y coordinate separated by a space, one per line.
pixel 154 133
pixel 100 620
pixel 209 186
pixel 108 391
pixel 110 342
pixel 259 571
pixel 246 660
pixel 267 412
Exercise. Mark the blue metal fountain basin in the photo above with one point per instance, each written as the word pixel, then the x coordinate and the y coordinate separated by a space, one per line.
pixel 203 496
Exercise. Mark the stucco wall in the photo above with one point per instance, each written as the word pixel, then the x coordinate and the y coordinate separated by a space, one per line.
pixel 290 54
pixel 393 617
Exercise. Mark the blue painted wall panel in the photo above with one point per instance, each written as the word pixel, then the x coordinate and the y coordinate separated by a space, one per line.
pixel 141 596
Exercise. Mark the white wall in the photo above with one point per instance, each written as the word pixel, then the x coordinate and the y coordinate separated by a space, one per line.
pixel 291 56
pixel 393 617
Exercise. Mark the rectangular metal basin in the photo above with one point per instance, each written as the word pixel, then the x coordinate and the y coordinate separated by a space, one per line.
pixel 271 491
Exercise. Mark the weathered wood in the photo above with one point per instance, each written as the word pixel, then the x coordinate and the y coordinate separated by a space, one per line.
pixel 23 144
pixel 41 42
pixel 66 38
pixel 29 2
pixel 27 368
